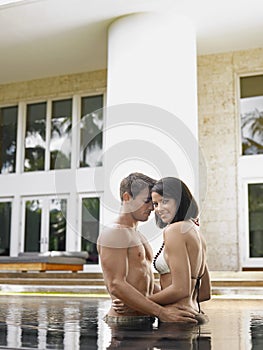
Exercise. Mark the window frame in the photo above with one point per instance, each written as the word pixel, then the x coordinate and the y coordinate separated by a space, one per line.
pixel 248 172
pixel 81 196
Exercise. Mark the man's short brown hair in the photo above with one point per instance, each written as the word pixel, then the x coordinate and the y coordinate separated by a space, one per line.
pixel 135 183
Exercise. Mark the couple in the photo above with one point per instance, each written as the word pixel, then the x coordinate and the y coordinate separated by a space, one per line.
pixel 126 256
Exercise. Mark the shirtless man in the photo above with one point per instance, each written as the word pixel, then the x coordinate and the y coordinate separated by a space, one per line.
pixel 126 257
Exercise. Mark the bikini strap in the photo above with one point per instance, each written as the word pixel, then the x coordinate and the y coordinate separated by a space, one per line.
pixel 197 286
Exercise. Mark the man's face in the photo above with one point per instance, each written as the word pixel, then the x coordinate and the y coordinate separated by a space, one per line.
pixel 141 206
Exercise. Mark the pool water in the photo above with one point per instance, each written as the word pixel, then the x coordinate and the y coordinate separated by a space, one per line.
pixel 46 322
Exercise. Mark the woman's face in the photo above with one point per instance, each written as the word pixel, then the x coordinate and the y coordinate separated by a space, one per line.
pixel 165 208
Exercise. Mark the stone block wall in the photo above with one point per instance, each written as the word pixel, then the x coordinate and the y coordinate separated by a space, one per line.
pixel 218 80
pixel 65 85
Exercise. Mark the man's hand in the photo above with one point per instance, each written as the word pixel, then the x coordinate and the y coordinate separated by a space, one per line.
pixel 119 306
pixel 178 314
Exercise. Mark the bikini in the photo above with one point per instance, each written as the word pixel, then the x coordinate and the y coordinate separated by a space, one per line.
pixel 162 268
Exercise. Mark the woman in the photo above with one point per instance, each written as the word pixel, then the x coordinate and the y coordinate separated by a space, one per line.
pixel 181 260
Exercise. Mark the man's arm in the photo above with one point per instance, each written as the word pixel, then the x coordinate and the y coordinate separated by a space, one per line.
pixel 114 264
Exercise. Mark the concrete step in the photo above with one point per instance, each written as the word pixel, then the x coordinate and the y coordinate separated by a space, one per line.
pixel 224 283
pixel 240 284
pixel 51 281
pixel 52 275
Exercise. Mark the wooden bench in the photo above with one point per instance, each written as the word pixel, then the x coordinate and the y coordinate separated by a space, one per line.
pixel 38 266
pixel 51 261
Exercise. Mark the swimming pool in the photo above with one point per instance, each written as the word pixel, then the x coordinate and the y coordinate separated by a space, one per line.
pixel 44 322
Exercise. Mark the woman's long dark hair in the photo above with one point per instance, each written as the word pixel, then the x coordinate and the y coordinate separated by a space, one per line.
pixel 172 187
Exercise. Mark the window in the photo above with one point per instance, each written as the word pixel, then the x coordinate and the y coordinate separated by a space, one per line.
pixel 5 221
pixel 37 136
pixel 56 132
pixel 60 140
pixel 255 206
pixel 48 147
pixel 35 139
pixel 90 227
pixel 8 132
pixel 57 224
pixel 33 225
pixel 91 131
pixel 251 114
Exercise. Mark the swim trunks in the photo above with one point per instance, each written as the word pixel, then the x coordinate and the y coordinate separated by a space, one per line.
pixel 126 320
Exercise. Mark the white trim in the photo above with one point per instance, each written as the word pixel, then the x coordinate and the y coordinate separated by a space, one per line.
pixel 9 2
pixel 72 209
pixel 20 149
pixel 6 199
pixel 75 140
pixel 237 111
pixel 48 134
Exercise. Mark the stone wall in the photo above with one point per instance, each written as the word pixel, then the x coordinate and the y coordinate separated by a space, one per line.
pixel 90 82
pixel 218 80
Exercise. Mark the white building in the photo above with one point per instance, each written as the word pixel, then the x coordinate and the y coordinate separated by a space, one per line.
pixel 93 90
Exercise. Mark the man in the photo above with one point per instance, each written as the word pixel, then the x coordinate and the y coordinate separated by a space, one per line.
pixel 126 257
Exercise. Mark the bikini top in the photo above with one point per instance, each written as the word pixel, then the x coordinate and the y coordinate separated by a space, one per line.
pixel 160 263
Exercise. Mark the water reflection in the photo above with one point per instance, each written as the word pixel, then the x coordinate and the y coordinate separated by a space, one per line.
pixel 158 336
pixel 77 323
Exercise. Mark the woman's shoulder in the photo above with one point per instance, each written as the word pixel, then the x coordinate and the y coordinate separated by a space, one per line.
pixel 179 227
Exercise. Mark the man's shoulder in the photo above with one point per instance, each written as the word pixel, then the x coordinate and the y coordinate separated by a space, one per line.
pixel 115 236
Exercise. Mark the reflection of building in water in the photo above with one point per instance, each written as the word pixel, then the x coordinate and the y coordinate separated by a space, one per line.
pixel 49 324
pixel 77 323
pixel 256 330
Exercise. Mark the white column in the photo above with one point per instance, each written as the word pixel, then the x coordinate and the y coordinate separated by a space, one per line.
pixel 151 121
pixel 152 60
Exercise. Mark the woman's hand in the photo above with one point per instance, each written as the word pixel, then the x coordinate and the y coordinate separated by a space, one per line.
pixel 119 306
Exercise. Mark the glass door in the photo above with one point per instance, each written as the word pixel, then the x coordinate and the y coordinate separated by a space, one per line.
pixel 5 222
pixel 45 224
pixel 57 224
pixel 255 215
pixel 33 240
pixel 90 218
pixel 251 225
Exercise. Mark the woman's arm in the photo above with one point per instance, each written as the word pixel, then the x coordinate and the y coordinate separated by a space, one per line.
pixel 178 260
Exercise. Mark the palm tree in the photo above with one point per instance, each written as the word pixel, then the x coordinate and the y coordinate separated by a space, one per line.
pixel 91 139
pixel 253 122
